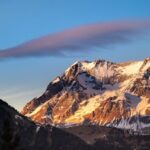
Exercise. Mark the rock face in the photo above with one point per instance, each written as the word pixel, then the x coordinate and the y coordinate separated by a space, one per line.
pixel 19 133
pixel 99 92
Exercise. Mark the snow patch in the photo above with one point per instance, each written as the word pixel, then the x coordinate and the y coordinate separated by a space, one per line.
pixel 18 117
pixel 37 129
pixel 133 68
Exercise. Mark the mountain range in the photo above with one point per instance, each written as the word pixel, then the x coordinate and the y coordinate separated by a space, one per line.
pixel 99 105
pixel 100 93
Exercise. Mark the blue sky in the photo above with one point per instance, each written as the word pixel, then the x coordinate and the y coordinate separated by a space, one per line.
pixel 22 20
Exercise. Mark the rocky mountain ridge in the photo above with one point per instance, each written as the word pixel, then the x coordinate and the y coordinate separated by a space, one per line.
pixel 100 92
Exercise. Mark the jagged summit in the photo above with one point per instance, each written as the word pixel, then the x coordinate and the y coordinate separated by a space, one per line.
pixel 102 92
pixel 147 59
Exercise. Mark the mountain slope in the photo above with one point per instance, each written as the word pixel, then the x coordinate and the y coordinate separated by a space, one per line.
pixel 99 92
pixel 19 133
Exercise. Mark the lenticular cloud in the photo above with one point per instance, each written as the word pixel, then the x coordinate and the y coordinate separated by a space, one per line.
pixel 78 39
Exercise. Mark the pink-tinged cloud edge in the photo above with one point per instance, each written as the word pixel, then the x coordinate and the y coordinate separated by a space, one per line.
pixel 78 39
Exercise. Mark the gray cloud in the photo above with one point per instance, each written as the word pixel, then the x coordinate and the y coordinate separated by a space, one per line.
pixel 78 39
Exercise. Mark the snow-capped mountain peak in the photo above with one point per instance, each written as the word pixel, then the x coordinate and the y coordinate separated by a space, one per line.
pixel 100 92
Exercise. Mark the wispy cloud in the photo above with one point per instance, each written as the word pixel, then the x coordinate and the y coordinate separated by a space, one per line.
pixel 18 96
pixel 80 38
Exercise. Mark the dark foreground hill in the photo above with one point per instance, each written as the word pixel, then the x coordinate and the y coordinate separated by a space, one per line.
pixel 19 133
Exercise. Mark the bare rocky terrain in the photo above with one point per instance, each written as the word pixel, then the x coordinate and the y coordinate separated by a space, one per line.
pixel 102 92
